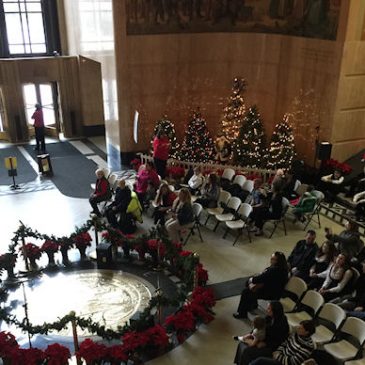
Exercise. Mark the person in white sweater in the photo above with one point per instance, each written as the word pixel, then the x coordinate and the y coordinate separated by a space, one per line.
pixel 196 181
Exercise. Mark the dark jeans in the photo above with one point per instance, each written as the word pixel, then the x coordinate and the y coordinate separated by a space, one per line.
pixel 94 200
pixel 262 216
pixel 246 354
pixel 39 137
pixel 248 302
pixel 160 167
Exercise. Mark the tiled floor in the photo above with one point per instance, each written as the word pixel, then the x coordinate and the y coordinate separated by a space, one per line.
pixel 48 211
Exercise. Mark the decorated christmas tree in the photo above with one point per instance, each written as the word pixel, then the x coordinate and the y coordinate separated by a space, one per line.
pixel 282 149
pixel 169 128
pixel 234 111
pixel 250 146
pixel 198 145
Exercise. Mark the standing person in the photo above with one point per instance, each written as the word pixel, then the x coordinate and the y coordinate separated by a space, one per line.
pixel 277 331
pixel 161 150
pixel 102 191
pixel 39 128
pixel 267 285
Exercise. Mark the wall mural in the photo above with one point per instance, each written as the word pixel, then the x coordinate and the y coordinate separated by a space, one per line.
pixel 306 18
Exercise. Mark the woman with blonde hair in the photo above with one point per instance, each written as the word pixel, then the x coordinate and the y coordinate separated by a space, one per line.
pixel 182 214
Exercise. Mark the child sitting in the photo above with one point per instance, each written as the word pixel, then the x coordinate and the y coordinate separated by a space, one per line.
pixel 257 337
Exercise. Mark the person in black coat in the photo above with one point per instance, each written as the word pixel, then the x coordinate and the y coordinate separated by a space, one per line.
pixel 120 203
pixel 303 256
pixel 267 285
pixel 277 331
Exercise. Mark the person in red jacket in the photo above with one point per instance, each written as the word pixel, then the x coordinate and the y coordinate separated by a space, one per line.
pixel 161 150
pixel 39 128
pixel 102 191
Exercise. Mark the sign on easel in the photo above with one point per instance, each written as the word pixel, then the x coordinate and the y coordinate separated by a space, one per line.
pixel 11 165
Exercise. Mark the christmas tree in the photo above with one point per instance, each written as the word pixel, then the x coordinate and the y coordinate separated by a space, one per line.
pixel 250 146
pixel 282 150
pixel 198 145
pixel 234 111
pixel 168 127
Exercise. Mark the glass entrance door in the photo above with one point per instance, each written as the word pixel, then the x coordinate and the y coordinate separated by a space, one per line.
pixel 46 96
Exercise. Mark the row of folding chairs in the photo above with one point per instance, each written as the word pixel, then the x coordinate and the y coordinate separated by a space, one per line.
pixel 341 337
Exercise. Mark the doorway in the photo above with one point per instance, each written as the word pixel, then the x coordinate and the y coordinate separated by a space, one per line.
pixel 45 94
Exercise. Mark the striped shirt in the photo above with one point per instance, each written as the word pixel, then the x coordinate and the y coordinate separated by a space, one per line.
pixel 294 350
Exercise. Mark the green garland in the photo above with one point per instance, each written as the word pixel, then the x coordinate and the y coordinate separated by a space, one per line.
pixel 185 265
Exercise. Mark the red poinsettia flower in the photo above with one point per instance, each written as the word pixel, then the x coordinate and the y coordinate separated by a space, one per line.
pixel 57 354
pixel 157 336
pixel 49 246
pixel 157 246
pixel 133 340
pixel 82 240
pixel 184 253
pixel 32 251
pixel 202 274
pixel 91 351
pixel 7 344
pixel 200 312
pixel 181 321
pixel 117 354
pixel 27 357
pixel 204 297
pixel 141 251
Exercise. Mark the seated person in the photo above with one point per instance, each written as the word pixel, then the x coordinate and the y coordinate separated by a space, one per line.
pixel 356 303
pixel 331 185
pixel 120 203
pixel 101 193
pixel 296 349
pixel 324 257
pixel 147 181
pixel 278 181
pixel 289 187
pixel 359 199
pixel 182 214
pixel 135 208
pixel 357 184
pixel 196 181
pixel 272 211
pixel 337 279
pixel 302 257
pixel 210 193
pixel 267 285
pixel 163 202
pixel 306 204
pixel 348 241
pixel 256 338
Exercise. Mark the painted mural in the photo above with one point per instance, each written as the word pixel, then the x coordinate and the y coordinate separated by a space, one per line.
pixel 305 18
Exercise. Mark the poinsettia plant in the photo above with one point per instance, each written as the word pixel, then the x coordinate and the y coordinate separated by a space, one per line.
pixel 8 344
pixel 32 251
pixel 49 246
pixel 176 172
pixel 91 351
pixel 57 354
pixel 336 165
pixel 82 240
pixel 7 260
pixel 182 322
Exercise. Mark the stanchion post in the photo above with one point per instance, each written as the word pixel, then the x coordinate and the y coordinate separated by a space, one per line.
pixel 25 254
pixel 95 220
pixel 76 341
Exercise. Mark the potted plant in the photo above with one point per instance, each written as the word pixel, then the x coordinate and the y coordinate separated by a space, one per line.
pixel 82 240
pixel 57 354
pixel 50 248
pixel 33 253
pixel 7 262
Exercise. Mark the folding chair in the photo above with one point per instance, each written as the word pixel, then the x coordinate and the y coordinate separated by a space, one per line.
pixel 293 291
pixel 248 186
pixel 244 211
pixel 285 204
pixel 232 205
pixel 197 209
pixel 350 344
pixel 223 198
pixel 315 212
pixel 330 318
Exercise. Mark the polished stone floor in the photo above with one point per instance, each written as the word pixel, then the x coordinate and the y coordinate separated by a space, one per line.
pixel 50 212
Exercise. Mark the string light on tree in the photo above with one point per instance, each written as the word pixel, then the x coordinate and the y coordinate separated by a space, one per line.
pixel 169 128
pixel 198 145
pixel 234 111
pixel 250 147
pixel 282 148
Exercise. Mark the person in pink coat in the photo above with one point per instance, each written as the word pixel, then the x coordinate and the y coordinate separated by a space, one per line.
pixel 147 180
